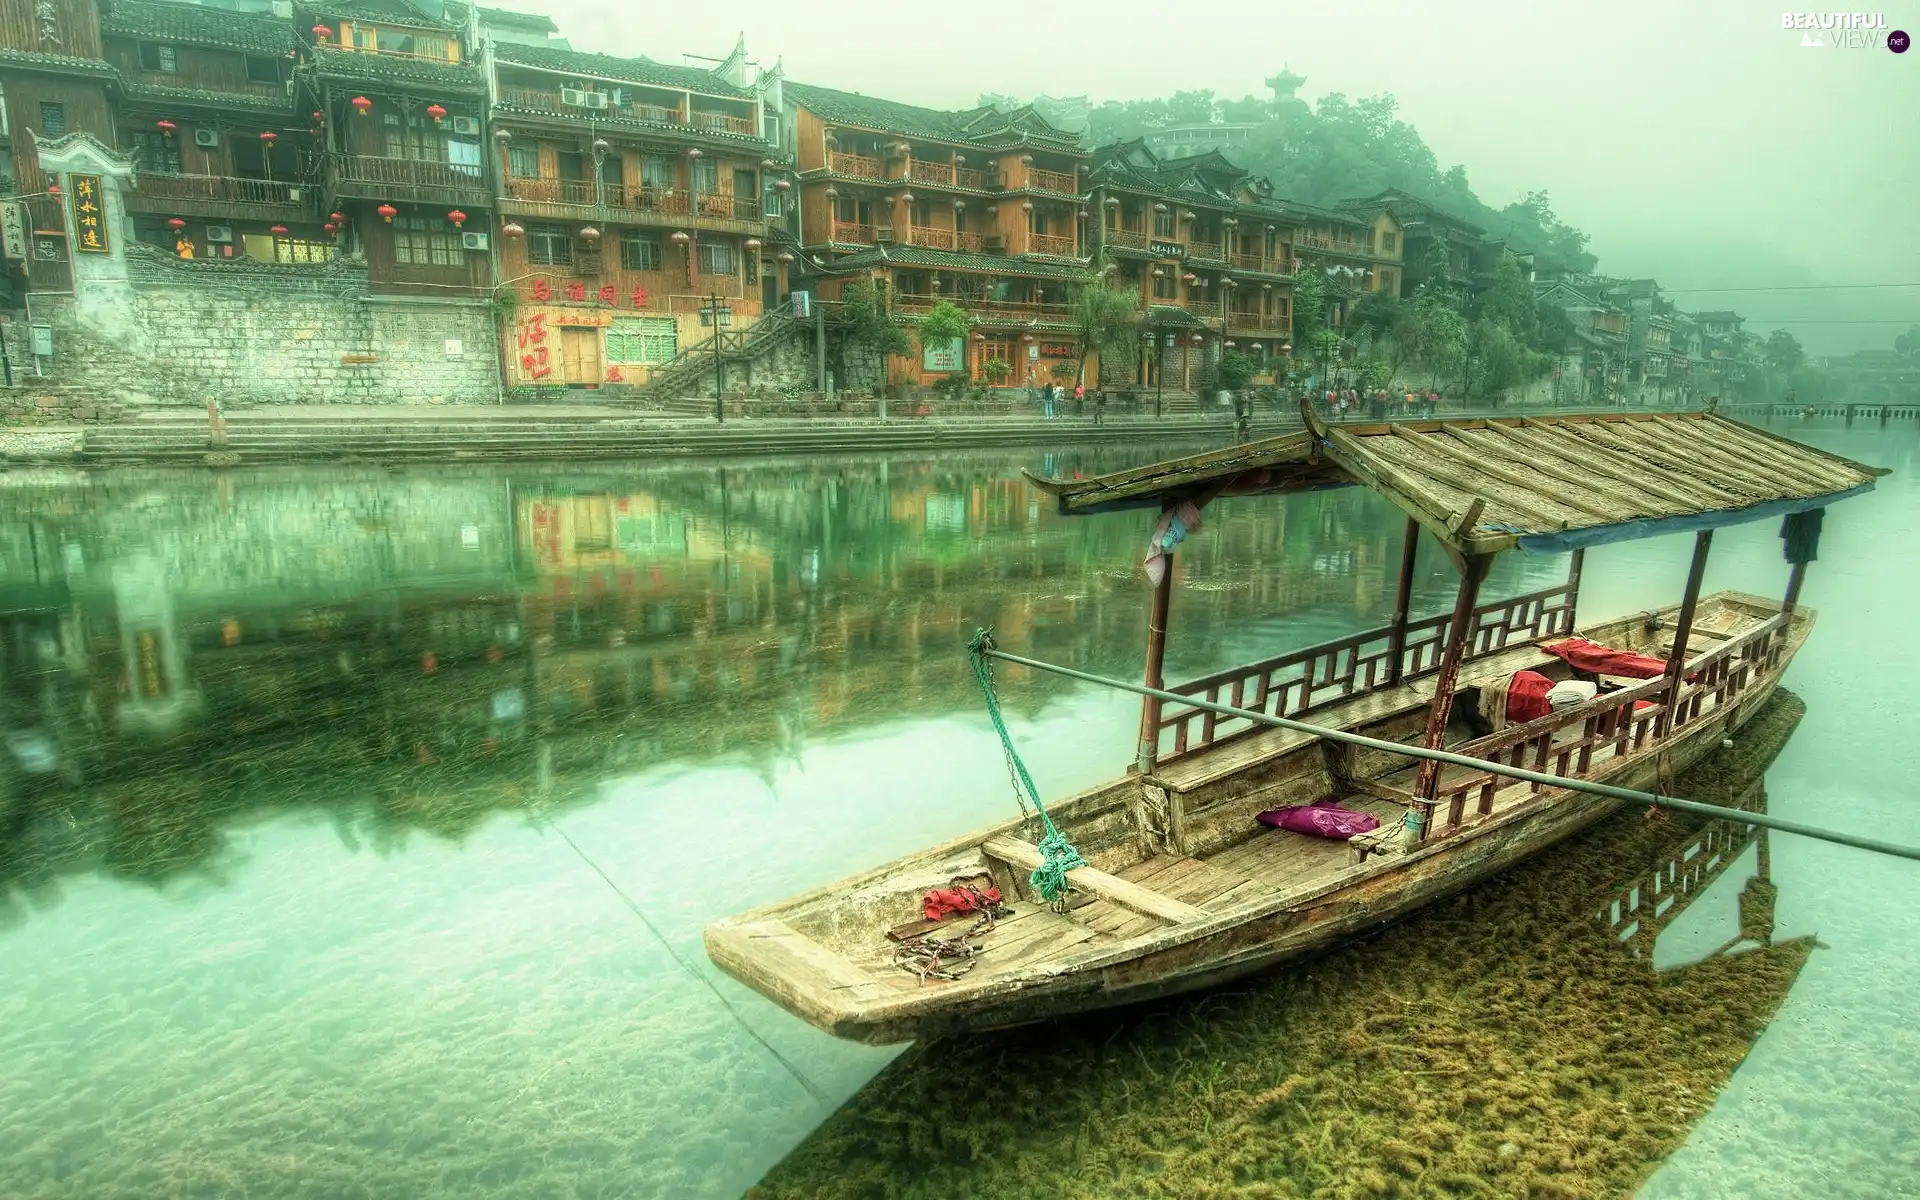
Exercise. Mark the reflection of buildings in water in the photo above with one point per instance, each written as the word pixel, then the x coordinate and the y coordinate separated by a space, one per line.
pixel 1653 903
pixel 156 694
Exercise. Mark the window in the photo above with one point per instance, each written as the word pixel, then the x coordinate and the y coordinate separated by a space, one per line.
pixel 299 250
pixel 550 246
pixel 656 174
pixel 642 340
pixel 53 119
pixel 770 200
pixel 425 242
pixel 1388 241
pixel 362 37
pixel 716 258
pixel 640 251
pixel 706 176
pixel 1163 286
pixel 1163 223
pixel 262 70
pixel 156 152
pixel 154 57
pixel 523 162
pixel 922 213
pixel 464 157
pixel 411 134
pixel 752 264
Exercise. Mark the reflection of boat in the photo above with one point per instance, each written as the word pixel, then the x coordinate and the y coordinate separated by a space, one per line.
pixel 1185 888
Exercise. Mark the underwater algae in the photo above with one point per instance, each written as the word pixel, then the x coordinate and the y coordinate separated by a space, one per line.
pixel 1497 1043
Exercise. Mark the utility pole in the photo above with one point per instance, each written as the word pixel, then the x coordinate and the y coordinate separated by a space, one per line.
pixel 719 404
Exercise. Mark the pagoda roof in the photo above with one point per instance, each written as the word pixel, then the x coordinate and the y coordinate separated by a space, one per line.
pixel 958 260
pixel 194 25
pixel 642 71
pixel 984 126
pixel 391 69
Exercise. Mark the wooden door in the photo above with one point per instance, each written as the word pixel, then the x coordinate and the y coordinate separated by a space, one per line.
pixel 580 356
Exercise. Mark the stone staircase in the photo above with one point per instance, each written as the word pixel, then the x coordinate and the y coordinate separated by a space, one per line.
pixel 690 374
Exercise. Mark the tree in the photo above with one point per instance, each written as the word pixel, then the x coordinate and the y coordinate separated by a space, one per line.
pixel 1509 301
pixel 1500 360
pixel 869 327
pixel 996 370
pixel 1106 314
pixel 1388 322
pixel 1234 372
pixel 1439 336
pixel 1907 345
pixel 1782 351
pixel 944 322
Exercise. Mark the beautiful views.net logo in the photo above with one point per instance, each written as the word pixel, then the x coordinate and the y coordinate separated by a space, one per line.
pixel 1846 31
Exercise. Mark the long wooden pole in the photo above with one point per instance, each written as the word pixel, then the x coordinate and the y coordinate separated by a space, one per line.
pixel 1573 587
pixel 1473 569
pixel 1402 600
pixel 1794 579
pixel 1149 748
pixel 1683 627
pixel 1505 770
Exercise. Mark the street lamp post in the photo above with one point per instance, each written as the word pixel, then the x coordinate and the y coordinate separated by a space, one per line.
pixel 719 404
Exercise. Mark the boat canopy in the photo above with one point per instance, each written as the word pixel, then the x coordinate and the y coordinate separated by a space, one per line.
pixel 1544 484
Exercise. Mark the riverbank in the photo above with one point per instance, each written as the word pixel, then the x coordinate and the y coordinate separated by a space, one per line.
pixel 429 433
pixel 1501 1042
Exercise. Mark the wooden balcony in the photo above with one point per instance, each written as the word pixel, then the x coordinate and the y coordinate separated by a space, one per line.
pixel 223 196
pixel 552 191
pixel 856 165
pixel 1049 243
pixel 1023 310
pixel 1053 181
pixel 714 122
pixel 630 204
pixel 1308 241
pixel 366 177
pixel 932 237
pixel 947 175
pixel 972 243
pixel 1203 308
pixel 1206 250
pixel 852 233
pixel 1263 264
pixel 1127 239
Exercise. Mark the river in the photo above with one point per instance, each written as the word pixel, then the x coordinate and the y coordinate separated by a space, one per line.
pixel 357 826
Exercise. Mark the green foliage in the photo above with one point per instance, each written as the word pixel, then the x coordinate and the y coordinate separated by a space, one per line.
pixel 1309 304
pixel 1381 315
pixel 944 322
pixel 1510 301
pixel 1783 352
pixel 1553 328
pixel 1108 319
pixel 1907 345
pixel 867 324
pixel 1437 335
pixel 996 370
pixel 1234 372
pixel 1499 360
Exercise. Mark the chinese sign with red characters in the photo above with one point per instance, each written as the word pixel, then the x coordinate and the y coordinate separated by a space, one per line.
pixel 532 348
pixel 574 291
pixel 89 214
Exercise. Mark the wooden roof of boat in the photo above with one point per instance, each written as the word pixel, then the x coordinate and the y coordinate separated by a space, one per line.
pixel 1487 484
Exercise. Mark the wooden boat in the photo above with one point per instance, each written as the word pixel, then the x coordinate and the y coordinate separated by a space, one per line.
pixel 1185 888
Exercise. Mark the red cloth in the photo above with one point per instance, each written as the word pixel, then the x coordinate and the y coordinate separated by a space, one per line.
pixel 940 903
pixel 1583 655
pixel 1527 697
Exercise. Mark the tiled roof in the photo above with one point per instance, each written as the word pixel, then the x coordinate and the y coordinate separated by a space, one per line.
pixel 626 70
pixel 984 126
pixel 63 63
pixel 193 25
pixel 1167 315
pixel 391 12
pixel 507 18
pixel 392 69
pixel 920 256
pixel 250 101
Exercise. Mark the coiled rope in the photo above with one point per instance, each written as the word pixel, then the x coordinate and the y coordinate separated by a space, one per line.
pixel 1057 855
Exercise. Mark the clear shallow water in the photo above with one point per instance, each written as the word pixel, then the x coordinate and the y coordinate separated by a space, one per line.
pixel 291 912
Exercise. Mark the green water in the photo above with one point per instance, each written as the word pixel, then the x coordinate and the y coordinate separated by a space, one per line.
pixel 343 812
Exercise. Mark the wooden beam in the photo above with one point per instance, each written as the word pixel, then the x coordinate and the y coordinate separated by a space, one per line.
pixel 1573 587
pixel 1380 791
pixel 1651 461
pixel 1463 480
pixel 1148 749
pixel 1677 449
pixel 1443 444
pixel 1683 628
pixel 1598 461
pixel 1474 569
pixel 1594 481
pixel 1402 600
pixel 1130 896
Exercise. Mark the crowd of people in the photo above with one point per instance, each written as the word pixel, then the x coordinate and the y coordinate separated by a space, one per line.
pixel 1345 404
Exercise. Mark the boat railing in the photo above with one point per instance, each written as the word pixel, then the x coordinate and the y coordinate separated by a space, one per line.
pixel 1615 720
pixel 1302 681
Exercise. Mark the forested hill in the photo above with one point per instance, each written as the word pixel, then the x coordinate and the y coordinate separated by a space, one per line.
pixel 1341 148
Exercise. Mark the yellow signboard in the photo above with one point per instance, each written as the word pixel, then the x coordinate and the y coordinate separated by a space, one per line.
pixel 89 214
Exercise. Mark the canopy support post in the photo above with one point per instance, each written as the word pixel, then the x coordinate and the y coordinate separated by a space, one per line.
pixel 1473 569
pixel 1149 748
pixel 1800 537
pixel 1573 587
pixel 1683 628
pixel 1402 601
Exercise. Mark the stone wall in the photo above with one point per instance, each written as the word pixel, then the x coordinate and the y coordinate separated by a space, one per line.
pixel 247 334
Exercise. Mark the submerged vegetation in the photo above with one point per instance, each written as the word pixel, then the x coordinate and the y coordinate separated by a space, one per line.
pixel 1500 1042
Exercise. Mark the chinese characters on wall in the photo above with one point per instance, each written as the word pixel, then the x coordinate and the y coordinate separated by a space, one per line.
pixel 89 215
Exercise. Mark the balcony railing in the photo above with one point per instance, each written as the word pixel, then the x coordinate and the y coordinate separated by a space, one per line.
pixel 551 102
pixel 973 243
pixel 551 191
pixel 1200 249
pixel 1029 309
pixel 1049 243
pixel 1203 308
pixel 1338 246
pixel 1053 181
pixel 857 165
pixel 419 175
pixel 852 233
pixel 1127 239
pixel 723 123
pixel 947 174
pixel 932 237
pixel 224 188
pixel 1260 262
pixel 639 198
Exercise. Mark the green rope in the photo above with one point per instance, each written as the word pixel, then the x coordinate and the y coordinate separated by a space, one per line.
pixel 1057 855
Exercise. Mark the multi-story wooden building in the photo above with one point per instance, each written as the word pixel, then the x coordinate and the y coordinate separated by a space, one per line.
pixel 225 166
pixel 399 101
pixel 980 207
pixel 635 199
pixel 1211 253
pixel 1423 228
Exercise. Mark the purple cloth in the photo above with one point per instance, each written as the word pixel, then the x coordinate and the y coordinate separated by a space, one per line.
pixel 1322 818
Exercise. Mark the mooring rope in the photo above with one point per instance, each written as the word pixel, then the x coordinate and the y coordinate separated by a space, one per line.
pixel 1057 855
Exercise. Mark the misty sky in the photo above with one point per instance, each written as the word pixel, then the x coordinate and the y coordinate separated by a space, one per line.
pixel 1697 141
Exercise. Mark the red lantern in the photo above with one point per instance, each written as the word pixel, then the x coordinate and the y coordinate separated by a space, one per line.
pixel 387 213
pixel 269 137
pixel 53 189
pixel 589 234
pixel 781 185
pixel 438 113
pixel 363 104
pixel 512 229
pixel 322 32
pixel 330 227
pixel 278 231
pixel 337 218
pixel 457 217
pixel 319 118
pixel 176 224
pixel 165 126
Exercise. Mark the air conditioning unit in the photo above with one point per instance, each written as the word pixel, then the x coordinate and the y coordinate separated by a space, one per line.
pixel 473 241
pixel 469 126
pixel 997 243
pixel 574 96
pixel 206 137
pixel 219 233
pixel 883 233
pixel 596 99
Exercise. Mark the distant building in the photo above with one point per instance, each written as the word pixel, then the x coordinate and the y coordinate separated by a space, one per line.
pixel 1185 141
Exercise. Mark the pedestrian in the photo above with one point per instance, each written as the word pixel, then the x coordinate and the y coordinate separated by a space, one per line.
pixel 1079 398
pixel 1047 401
pixel 1433 402
pixel 1408 402
pixel 1099 406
